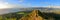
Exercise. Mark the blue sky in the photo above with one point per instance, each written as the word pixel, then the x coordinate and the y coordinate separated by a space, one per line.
pixel 31 3
pixel 36 2
pixel 27 3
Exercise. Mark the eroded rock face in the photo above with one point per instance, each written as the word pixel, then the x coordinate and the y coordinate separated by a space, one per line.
pixel 32 16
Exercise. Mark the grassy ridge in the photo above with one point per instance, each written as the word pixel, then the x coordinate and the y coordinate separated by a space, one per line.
pixel 13 16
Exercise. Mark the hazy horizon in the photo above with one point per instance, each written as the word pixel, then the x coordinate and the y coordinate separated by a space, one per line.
pixel 6 4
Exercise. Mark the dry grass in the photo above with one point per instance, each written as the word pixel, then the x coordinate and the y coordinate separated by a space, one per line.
pixel 32 16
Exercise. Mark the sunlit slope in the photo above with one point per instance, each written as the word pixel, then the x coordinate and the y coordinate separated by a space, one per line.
pixel 32 16
pixel 14 15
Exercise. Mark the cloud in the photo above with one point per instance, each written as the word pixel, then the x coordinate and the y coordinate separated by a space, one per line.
pixel 53 6
pixel 4 4
pixel 56 6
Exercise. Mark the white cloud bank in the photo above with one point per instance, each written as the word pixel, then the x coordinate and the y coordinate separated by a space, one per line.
pixel 4 4
pixel 53 6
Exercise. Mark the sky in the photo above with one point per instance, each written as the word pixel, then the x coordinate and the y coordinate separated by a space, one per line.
pixel 29 3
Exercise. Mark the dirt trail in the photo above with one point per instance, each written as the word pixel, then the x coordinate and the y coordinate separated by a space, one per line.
pixel 32 16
